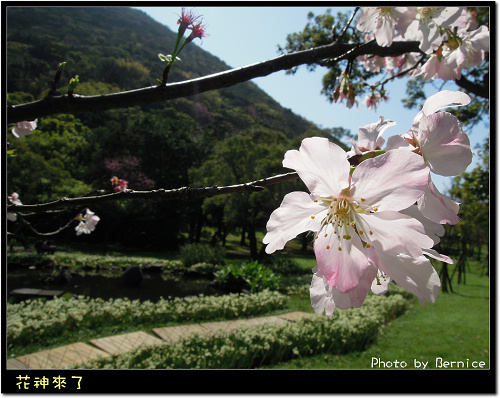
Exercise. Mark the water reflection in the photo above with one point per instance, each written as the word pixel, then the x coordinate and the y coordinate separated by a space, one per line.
pixel 152 287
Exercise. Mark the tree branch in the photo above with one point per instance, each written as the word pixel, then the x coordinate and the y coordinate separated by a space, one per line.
pixel 184 193
pixel 478 89
pixel 87 104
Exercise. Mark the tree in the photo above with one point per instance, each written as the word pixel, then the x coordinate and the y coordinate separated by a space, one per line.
pixel 242 157
pixel 471 189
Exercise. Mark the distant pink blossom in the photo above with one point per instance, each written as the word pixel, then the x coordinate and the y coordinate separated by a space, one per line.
pixel 119 184
pixel 372 100
pixel 345 90
pixel 198 31
pixel 186 20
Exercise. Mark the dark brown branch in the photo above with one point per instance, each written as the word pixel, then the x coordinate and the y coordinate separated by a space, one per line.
pixel 86 104
pixel 184 193
pixel 478 89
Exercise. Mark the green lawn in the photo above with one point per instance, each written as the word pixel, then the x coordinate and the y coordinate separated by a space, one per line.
pixel 455 328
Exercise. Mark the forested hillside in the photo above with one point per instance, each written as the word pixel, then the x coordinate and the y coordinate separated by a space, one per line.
pixel 228 136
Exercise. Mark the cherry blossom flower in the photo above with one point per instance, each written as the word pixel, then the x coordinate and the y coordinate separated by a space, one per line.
pixel 467 21
pixel 87 223
pixel 437 68
pixel 438 137
pixel 23 128
pixel 353 218
pixel 444 147
pixel 119 184
pixel 345 90
pixel 384 22
pixel 370 137
pixel 372 63
pixel 425 28
pixel 14 199
pixel 371 101
pixel 457 54
pixel 470 52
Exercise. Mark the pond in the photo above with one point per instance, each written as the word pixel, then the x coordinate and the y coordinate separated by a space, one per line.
pixel 152 286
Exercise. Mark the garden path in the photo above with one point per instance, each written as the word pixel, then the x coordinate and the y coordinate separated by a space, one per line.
pixel 78 353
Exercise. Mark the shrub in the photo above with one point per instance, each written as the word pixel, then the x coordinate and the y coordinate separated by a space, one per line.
pixel 286 266
pixel 253 275
pixel 195 253
pixel 266 344
pixel 34 321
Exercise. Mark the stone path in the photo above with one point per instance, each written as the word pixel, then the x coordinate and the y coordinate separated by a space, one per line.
pixel 66 356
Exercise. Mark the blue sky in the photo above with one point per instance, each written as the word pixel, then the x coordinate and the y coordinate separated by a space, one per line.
pixel 242 35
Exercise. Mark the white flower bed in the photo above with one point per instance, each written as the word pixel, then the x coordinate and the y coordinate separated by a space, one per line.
pixel 34 320
pixel 254 347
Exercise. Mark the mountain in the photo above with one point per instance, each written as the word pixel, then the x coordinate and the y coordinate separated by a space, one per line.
pixel 119 46
pixel 162 145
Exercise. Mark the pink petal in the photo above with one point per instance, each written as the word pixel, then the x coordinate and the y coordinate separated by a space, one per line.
pixel 327 298
pixel 438 256
pixel 321 164
pixel 342 268
pixel 445 147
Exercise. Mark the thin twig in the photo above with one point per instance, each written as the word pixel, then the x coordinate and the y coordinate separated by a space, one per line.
pixel 184 193
pixel 344 31
pixel 28 224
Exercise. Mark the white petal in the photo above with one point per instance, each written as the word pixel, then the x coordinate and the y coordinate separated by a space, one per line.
pixel 438 256
pixel 444 99
pixel 437 207
pixel 392 181
pixel 326 298
pixel 370 136
pixel 380 284
pixel 433 229
pixel 417 275
pixel 321 164
pixel 398 142
pixel 395 233
pixel 292 218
